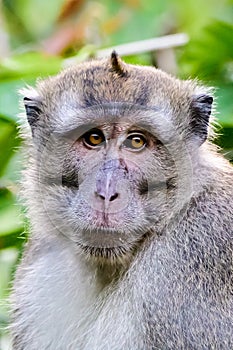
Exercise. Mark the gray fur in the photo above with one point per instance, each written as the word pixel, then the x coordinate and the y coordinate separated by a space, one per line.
pixel 158 274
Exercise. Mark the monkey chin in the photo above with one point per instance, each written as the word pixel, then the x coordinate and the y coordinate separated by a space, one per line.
pixel 107 245
pixel 108 255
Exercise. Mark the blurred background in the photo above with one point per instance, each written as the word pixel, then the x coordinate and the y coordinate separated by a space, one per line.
pixel 39 38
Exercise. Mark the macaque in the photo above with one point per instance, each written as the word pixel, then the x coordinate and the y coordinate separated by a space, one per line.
pixel 131 212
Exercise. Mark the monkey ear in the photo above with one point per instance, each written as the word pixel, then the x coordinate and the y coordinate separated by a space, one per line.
pixel 201 106
pixel 33 110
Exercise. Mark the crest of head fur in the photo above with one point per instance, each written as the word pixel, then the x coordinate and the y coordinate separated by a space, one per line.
pixel 117 65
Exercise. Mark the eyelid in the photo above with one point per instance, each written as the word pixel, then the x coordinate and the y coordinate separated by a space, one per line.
pixel 136 132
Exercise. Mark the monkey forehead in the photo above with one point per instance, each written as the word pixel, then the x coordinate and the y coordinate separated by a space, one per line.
pixel 94 83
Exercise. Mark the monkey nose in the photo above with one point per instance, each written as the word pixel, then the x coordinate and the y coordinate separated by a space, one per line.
pixel 107 197
pixel 106 189
pixel 108 179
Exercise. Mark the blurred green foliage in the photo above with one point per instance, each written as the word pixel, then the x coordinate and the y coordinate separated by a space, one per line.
pixel 39 36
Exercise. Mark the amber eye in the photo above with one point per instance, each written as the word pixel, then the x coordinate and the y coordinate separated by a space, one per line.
pixel 135 142
pixel 93 138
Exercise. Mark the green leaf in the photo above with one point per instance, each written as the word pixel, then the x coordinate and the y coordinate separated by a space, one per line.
pixel 9 100
pixel 8 143
pixel 224 95
pixel 29 65
pixel 209 56
pixel 11 226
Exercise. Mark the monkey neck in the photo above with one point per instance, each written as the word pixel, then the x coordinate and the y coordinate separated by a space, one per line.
pixel 108 274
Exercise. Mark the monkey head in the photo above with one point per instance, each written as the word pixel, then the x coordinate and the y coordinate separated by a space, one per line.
pixel 112 152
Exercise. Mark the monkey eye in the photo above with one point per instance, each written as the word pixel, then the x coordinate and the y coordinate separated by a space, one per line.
pixel 93 138
pixel 135 142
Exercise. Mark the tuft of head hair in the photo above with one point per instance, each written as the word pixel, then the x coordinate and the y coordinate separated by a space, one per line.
pixel 117 65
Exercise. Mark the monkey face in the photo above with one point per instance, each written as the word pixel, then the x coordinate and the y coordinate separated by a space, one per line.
pixel 112 152
pixel 112 180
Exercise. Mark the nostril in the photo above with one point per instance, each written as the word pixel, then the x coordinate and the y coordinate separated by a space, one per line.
pixel 100 195
pixel 107 198
pixel 112 198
